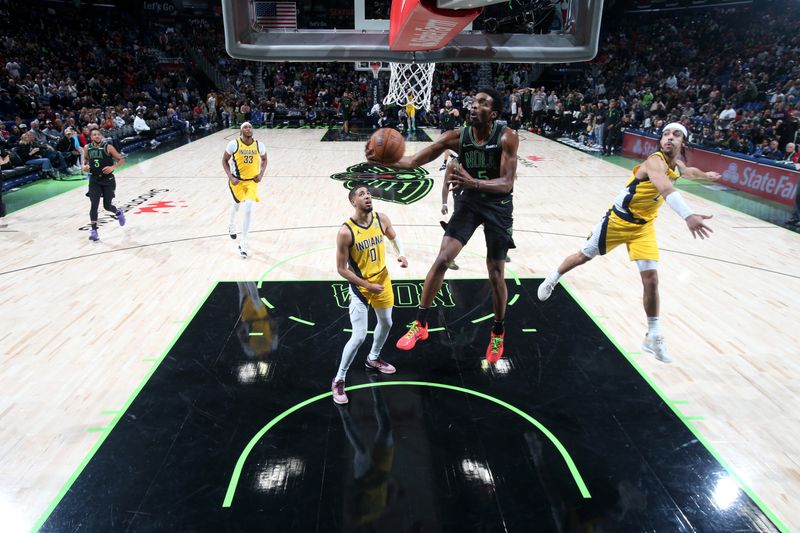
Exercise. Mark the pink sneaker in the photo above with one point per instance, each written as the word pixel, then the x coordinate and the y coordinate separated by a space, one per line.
pixel 339 395
pixel 380 365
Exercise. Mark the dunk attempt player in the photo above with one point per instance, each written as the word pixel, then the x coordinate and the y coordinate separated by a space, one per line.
pixel 361 260
pixel 487 153
pixel 631 221
pixel 249 164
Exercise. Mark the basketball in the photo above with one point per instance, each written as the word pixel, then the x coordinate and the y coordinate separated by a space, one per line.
pixel 388 145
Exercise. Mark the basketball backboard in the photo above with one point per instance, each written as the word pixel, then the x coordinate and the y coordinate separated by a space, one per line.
pixel 515 31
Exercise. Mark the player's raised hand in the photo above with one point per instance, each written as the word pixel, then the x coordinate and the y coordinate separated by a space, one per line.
pixel 369 153
pixel 697 227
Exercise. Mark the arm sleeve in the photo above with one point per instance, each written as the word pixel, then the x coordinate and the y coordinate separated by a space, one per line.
pixel 261 148
pixel 231 148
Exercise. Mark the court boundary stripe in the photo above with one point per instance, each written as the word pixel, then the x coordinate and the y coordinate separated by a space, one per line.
pixel 106 431
pixel 671 404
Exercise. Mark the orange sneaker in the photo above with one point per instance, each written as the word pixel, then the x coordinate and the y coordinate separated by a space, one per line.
pixel 417 332
pixel 495 349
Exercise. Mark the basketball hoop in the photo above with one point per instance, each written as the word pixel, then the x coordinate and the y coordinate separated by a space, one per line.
pixel 410 83
pixel 375 67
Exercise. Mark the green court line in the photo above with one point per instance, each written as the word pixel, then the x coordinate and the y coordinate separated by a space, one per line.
pixel 151 359
pixel 256 334
pixel 300 320
pixel 292 258
pixel 483 318
pixel 98 430
pixel 766 510
pixel 434 330
pixel 237 471
pixel 598 316
pixel 689 418
pixel 348 330
pixel 266 302
pixel 529 330
pixel 110 412
pixel 117 418
pixel 514 299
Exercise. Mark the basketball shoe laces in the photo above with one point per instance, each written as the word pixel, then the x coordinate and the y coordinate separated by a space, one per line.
pixel 414 327
pixel 496 343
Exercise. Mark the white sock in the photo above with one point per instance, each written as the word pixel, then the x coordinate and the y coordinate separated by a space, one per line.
pixel 248 212
pixel 358 321
pixel 553 277
pixel 234 211
pixel 381 332
pixel 653 327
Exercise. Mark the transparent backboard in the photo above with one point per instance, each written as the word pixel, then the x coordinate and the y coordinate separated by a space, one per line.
pixel 515 31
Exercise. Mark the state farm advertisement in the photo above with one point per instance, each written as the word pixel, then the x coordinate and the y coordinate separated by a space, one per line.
pixel 767 181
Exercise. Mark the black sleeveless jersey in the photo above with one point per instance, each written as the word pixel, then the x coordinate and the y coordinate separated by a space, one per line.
pixel 99 158
pixel 482 161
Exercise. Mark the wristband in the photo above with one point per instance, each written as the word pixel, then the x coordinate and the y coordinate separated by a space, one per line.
pixel 676 202
pixel 398 246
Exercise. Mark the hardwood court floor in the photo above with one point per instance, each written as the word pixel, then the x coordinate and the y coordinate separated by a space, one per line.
pixel 82 321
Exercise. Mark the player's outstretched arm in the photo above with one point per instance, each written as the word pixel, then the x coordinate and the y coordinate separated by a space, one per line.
pixel 657 172
pixel 449 140
pixel 694 173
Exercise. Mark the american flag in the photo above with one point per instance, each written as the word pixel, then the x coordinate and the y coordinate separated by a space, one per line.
pixel 276 15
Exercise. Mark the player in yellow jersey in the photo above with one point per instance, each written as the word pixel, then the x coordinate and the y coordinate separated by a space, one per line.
pixel 249 159
pixel 361 260
pixel 631 219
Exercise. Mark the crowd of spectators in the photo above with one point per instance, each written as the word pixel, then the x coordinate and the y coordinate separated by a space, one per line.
pixel 131 79
pixel 732 76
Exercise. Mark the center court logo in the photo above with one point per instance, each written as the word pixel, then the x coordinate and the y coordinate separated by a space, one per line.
pixel 399 186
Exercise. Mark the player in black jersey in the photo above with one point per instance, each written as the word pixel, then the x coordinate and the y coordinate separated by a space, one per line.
pixel 100 160
pixel 487 154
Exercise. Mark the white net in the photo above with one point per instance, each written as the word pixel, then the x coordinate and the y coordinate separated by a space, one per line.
pixel 411 82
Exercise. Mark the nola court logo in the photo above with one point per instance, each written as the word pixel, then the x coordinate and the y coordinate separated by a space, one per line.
pixel 399 186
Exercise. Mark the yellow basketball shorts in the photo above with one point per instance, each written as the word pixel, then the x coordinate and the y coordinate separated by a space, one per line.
pixel 611 231
pixel 384 300
pixel 244 190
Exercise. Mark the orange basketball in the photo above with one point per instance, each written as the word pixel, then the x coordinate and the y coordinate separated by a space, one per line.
pixel 388 145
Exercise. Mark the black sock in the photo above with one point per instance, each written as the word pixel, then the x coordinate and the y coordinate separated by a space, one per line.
pixel 422 315
pixel 94 225
pixel 497 327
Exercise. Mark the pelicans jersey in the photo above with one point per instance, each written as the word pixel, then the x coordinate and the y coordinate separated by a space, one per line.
pixel 368 261
pixel 629 221
pixel 245 165
pixel 639 201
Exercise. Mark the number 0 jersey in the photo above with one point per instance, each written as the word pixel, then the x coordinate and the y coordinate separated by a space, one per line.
pixel 367 256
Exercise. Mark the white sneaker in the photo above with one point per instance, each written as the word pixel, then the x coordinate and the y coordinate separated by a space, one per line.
pixel 655 345
pixel 232 231
pixel 243 251
pixel 3 223
pixel 546 289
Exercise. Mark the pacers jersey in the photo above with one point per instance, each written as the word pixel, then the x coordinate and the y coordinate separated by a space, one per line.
pixel 99 158
pixel 482 161
pixel 639 201
pixel 246 158
pixel 367 256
